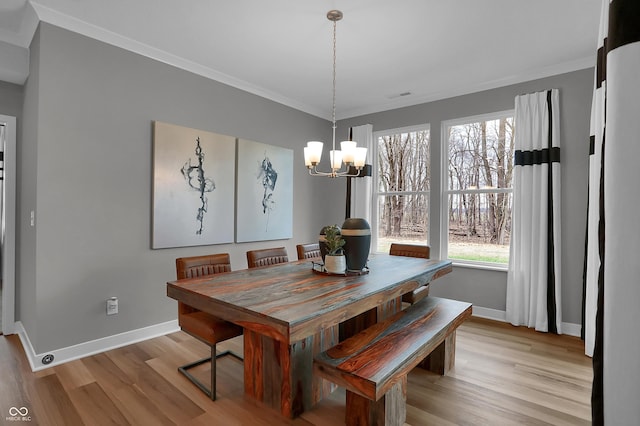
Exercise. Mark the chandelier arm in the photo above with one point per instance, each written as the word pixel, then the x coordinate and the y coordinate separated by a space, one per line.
pixel 313 171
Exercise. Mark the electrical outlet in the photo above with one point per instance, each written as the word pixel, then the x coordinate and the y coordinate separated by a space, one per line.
pixel 112 306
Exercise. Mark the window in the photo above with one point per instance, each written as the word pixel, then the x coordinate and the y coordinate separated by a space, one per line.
pixel 401 187
pixel 477 182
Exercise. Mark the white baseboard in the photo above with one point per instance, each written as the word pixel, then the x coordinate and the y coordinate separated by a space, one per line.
pixel 62 355
pixel 571 329
pixel 487 313
pixel 567 328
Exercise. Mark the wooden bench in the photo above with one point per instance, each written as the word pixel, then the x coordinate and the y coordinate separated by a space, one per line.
pixel 373 364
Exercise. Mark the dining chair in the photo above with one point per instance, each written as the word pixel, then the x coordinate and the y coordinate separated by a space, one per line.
pixel 308 251
pixel 412 250
pixel 202 325
pixel 267 257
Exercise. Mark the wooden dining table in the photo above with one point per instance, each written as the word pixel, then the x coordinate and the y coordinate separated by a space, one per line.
pixel 290 313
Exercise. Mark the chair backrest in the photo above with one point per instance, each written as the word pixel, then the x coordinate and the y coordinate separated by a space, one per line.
pixel 308 251
pixel 200 266
pixel 266 257
pixel 409 250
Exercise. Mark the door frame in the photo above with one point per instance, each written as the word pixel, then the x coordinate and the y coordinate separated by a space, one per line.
pixel 9 226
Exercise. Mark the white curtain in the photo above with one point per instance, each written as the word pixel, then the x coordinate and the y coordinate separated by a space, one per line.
pixel 534 276
pixel 361 187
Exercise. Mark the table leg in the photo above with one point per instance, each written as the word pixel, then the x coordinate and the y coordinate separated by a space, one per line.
pixel 367 319
pixel 280 375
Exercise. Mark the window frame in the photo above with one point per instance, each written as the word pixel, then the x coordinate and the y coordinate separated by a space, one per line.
pixel 445 192
pixel 375 192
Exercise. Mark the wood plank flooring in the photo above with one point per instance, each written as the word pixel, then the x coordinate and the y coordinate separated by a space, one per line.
pixel 504 375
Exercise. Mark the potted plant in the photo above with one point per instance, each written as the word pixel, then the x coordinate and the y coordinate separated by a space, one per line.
pixel 334 261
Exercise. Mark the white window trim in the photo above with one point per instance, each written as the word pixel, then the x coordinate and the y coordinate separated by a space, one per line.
pixel 444 184
pixel 374 175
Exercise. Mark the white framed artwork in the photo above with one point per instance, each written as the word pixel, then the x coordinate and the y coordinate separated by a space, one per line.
pixel 193 187
pixel 264 193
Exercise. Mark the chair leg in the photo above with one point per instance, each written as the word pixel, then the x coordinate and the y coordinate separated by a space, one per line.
pixel 184 370
pixel 214 357
pixel 211 393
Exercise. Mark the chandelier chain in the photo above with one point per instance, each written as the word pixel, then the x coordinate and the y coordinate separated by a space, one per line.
pixel 333 117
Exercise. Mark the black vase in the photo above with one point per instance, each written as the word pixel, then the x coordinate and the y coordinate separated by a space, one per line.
pixel 357 236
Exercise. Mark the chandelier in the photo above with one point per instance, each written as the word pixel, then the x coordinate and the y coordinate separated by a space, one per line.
pixel 350 154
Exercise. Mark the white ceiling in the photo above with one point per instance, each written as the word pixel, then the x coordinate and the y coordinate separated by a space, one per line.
pixel 281 49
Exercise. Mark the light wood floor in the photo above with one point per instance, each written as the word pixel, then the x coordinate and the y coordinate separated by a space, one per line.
pixel 503 376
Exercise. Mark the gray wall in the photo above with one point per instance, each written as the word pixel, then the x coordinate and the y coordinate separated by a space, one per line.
pixel 14 61
pixel 86 171
pixel 11 99
pixel 26 290
pixel 488 288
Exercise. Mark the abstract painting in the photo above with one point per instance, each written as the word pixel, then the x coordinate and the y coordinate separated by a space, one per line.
pixel 264 192
pixel 193 187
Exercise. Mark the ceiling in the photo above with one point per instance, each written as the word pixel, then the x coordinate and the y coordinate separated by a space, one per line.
pixel 281 49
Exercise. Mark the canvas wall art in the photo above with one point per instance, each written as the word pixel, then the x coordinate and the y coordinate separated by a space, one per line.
pixel 193 187
pixel 264 192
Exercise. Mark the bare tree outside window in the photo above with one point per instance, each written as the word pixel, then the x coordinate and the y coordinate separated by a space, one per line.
pixel 403 175
pixel 479 189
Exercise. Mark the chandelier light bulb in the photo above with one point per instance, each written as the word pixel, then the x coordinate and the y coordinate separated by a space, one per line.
pixel 314 152
pixel 360 157
pixel 348 151
pixel 336 159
